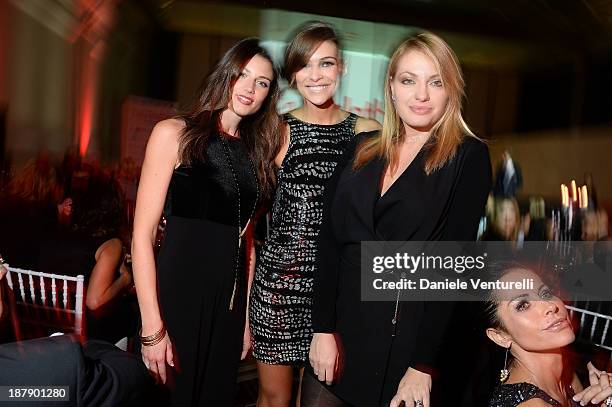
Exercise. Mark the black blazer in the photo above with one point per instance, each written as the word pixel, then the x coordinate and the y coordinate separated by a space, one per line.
pixel 444 205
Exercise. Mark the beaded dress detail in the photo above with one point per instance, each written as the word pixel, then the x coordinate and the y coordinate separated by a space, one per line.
pixel 281 296
pixel 511 395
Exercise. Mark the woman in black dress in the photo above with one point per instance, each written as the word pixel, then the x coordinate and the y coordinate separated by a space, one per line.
pixel 209 169
pixel 424 176
pixel 534 328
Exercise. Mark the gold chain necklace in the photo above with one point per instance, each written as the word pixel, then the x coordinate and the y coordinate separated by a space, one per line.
pixel 241 230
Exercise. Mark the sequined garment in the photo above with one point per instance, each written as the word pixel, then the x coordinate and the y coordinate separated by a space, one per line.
pixel 281 296
pixel 511 395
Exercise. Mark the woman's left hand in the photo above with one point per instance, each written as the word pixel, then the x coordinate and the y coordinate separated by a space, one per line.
pixel 246 340
pixel 599 388
pixel 413 390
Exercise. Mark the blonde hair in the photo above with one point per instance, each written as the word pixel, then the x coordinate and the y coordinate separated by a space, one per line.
pixel 446 134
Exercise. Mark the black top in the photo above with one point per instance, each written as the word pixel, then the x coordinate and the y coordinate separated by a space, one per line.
pixel 208 190
pixel 511 395
pixel 445 205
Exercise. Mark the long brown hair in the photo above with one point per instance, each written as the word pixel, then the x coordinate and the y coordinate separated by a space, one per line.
pixel 260 131
pixel 305 40
pixel 446 134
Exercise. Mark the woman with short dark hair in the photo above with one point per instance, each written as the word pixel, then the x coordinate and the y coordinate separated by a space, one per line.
pixel 315 138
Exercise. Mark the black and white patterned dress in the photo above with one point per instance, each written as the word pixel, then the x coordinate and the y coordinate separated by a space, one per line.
pixel 281 296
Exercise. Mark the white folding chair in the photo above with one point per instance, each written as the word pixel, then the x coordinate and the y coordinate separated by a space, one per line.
pixel 49 301
pixel 594 326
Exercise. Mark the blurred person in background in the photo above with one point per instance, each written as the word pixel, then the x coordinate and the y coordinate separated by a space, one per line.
pixel 92 247
pixel 30 211
pixel 506 221
pixel 508 178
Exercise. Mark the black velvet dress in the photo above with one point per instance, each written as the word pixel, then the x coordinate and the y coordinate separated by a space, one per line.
pixel 378 341
pixel 200 272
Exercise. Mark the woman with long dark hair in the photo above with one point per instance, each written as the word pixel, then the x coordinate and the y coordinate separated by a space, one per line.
pixel 209 168
pixel 315 137
pixel 425 176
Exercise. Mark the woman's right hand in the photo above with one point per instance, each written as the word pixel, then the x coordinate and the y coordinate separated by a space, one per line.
pixel 155 358
pixel 324 356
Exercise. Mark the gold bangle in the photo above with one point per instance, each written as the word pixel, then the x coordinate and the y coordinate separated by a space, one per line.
pixel 153 339
pixel 153 343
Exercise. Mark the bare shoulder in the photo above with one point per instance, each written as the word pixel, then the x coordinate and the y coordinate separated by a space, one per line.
pixel 167 131
pixel 163 144
pixel 364 124
pixel 113 246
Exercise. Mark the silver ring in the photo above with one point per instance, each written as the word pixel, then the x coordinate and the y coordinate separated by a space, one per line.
pixel 418 403
pixel 608 402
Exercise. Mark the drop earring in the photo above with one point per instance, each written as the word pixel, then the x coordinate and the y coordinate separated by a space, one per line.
pixel 504 373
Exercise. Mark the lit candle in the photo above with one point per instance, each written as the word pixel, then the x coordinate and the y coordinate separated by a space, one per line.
pixel 574 194
pixel 585 197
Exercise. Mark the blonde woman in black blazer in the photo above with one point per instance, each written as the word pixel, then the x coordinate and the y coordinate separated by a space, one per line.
pixel 424 176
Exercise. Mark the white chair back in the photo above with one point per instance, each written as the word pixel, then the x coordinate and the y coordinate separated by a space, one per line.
pixel 48 294
pixel 593 326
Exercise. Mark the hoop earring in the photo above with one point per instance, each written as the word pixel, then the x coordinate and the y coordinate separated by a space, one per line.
pixel 504 373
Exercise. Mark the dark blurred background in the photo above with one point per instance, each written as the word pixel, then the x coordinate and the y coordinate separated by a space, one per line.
pixel 536 70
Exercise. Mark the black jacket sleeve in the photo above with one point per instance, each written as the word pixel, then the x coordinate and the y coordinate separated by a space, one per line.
pixel 466 207
pixel 325 284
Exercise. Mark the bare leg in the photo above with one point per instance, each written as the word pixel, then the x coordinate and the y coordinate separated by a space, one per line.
pixel 298 399
pixel 275 385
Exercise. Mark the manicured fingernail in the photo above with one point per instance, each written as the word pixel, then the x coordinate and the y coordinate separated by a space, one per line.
pixel 172 363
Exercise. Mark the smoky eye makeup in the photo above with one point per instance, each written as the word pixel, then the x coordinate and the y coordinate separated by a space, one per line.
pixel 519 303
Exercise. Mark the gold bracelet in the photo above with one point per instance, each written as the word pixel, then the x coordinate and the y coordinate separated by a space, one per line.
pixel 153 343
pixel 153 339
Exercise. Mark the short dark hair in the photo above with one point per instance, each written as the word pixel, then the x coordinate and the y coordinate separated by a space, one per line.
pixel 305 40
pixel 497 270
